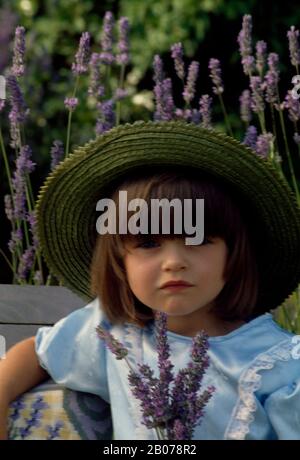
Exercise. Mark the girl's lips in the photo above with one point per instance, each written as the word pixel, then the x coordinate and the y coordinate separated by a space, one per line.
pixel 176 283
pixel 176 287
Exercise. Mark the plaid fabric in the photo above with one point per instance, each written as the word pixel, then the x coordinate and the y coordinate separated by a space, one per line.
pixel 52 412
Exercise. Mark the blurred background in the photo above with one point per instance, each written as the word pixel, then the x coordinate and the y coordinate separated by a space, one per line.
pixel 206 28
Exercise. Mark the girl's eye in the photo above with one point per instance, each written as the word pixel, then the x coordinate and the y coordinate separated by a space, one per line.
pixel 148 244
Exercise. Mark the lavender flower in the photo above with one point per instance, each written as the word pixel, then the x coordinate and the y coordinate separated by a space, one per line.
pixel 18 53
pixel 8 207
pixel 82 56
pixel 158 69
pixel 19 110
pixel 245 106
pixel 95 87
pixel 165 107
pixel 106 55
pixel 293 107
pixel 123 45
pixel 257 96
pixel 31 218
pixel 273 62
pixel 177 55
pixel 261 50
pixel 106 118
pixel 205 110
pixel 71 103
pixel 271 85
pixel 293 35
pixel 24 166
pixel 272 79
pixel 24 163
pixel 15 240
pixel 26 263
pixel 2 104
pixel 215 75
pixel 120 94
pixel 57 153
pixel 263 144
pixel 178 413
pixel 250 137
pixel 189 90
pixel 245 44
pixel 164 363
pixel 112 344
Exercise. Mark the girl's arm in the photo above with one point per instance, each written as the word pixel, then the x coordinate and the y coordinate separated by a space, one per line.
pixel 19 372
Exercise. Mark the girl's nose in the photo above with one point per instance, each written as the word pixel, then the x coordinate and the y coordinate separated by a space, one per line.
pixel 173 258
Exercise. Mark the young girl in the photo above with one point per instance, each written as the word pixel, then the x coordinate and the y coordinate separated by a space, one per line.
pixel 247 264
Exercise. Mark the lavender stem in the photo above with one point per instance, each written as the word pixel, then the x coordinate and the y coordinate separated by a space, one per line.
pixel 70 119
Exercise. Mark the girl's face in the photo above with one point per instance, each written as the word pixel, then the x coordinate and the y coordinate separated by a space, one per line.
pixel 152 262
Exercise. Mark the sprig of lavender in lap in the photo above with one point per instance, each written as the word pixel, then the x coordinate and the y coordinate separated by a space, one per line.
pixel 174 412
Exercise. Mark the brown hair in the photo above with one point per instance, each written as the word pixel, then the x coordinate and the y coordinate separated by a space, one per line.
pixel 223 218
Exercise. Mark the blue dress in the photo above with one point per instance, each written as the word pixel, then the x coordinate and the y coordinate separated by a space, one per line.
pixel 255 370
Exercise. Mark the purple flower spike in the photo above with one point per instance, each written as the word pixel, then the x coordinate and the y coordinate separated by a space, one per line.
pixel 95 89
pixel 26 263
pixel 215 75
pixel 8 207
pixel 177 55
pixel 273 62
pixel 106 55
pixel 82 56
pixel 18 52
pixel 189 90
pixel 245 44
pixel 261 50
pixel 116 347
pixel 57 153
pixel 251 137
pixel 71 103
pixel 293 35
pixel 16 240
pixel 158 69
pixel 123 45
pixel 245 106
pixel 257 96
pixel 165 107
pixel 164 363
pixel 205 110
pixel 19 110
pixel 263 144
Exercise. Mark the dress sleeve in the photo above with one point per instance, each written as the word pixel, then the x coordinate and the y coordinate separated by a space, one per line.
pixel 283 410
pixel 72 353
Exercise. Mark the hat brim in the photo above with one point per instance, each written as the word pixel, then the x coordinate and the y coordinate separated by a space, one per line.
pixel 66 207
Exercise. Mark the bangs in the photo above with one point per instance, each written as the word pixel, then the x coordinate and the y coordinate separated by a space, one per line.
pixel 222 213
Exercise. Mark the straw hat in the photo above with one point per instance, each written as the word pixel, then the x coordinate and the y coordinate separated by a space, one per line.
pixel 66 208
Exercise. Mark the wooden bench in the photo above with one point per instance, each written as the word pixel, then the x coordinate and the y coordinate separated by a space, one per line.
pixel 23 309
